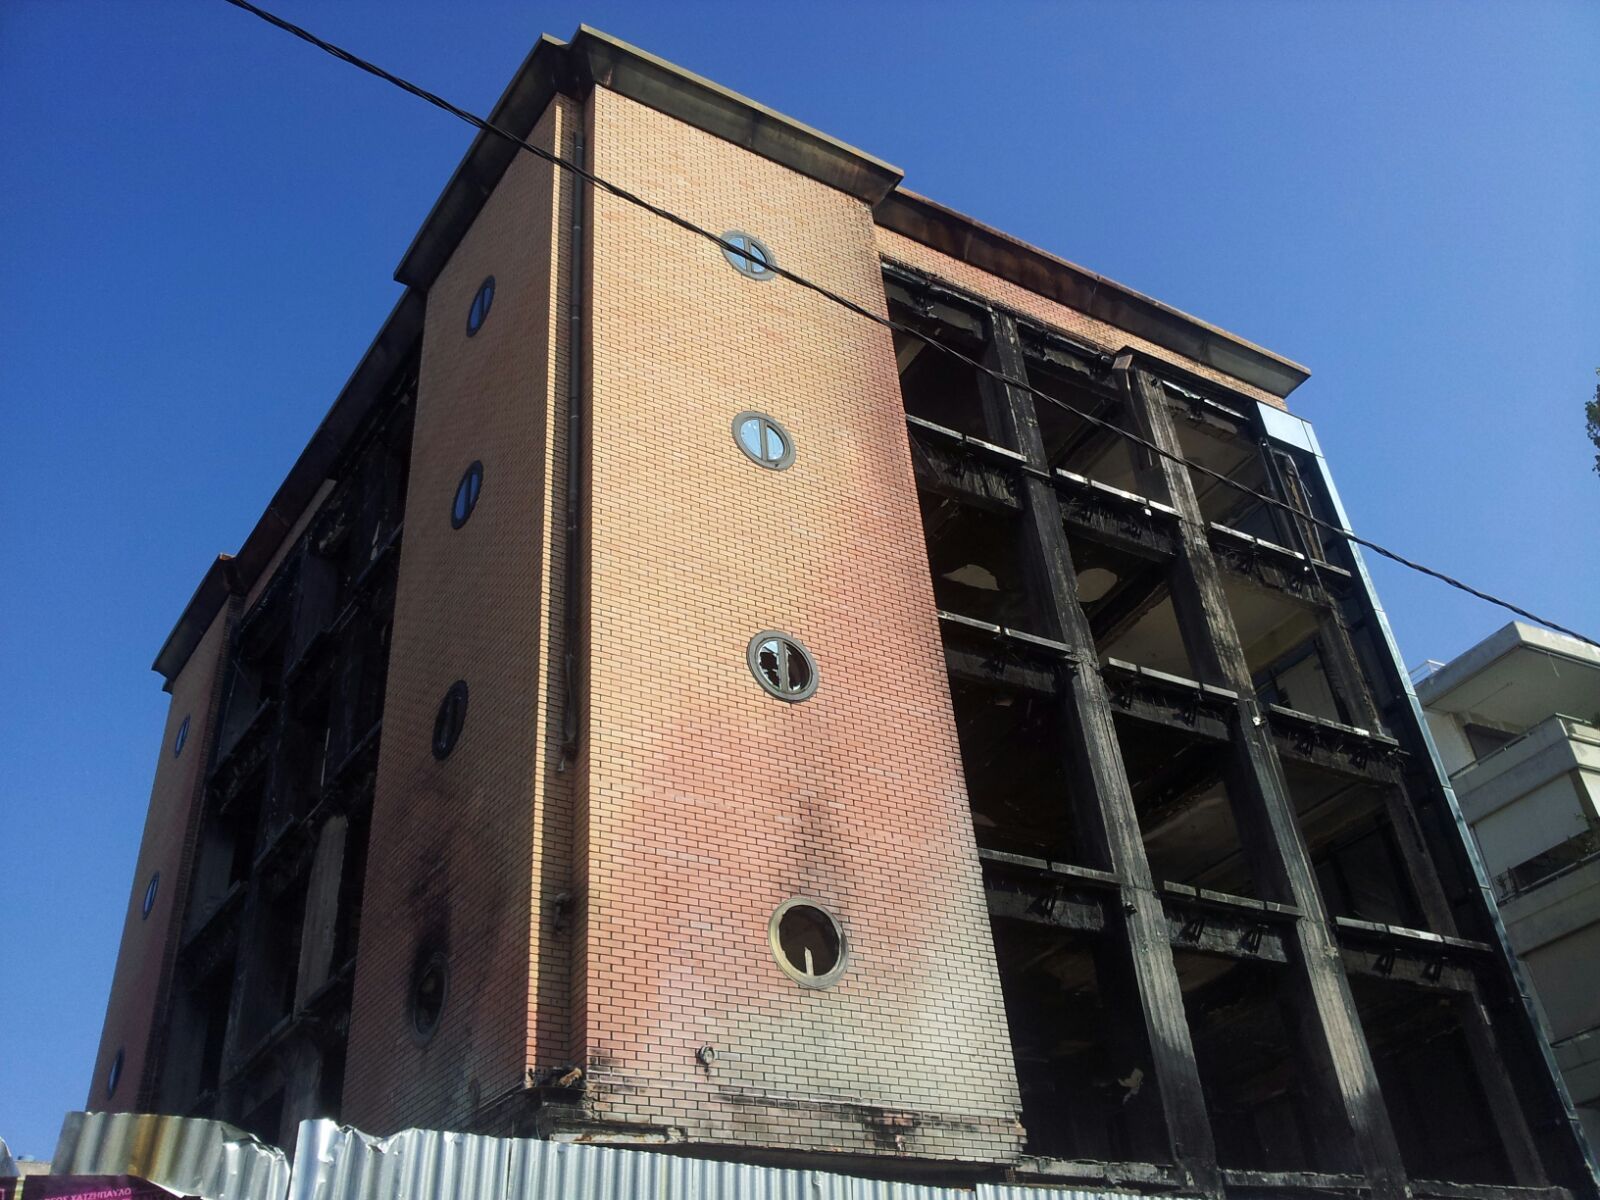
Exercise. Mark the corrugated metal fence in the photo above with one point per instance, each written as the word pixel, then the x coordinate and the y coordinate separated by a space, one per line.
pixel 333 1162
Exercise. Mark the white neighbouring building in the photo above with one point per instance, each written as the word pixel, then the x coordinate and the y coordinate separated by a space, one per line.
pixel 1517 723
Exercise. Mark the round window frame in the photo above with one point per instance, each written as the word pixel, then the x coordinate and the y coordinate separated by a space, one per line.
pixel 474 470
pixel 776 945
pixel 486 287
pixel 458 692
pixel 181 738
pixel 745 263
pixel 752 655
pixel 151 891
pixel 785 460
pixel 426 963
pixel 114 1074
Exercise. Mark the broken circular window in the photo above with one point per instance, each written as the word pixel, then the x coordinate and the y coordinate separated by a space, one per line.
pixel 466 495
pixel 114 1075
pixel 763 440
pixel 479 312
pixel 452 715
pixel 150 895
pixel 807 942
pixel 430 986
pixel 782 665
pixel 747 255
pixel 179 738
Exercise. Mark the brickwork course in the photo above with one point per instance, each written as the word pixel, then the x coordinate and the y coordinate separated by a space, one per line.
pixel 598 860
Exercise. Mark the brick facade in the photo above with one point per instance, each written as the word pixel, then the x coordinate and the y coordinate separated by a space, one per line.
pixel 709 802
pixel 599 858
pixel 461 848
pixel 149 943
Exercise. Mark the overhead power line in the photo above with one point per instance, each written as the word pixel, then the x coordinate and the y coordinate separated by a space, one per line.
pixel 688 226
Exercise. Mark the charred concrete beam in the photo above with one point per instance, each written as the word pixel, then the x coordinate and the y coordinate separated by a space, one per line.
pixel 947 464
pixel 1344 749
pixel 1182 705
pixel 1228 928
pixel 992 667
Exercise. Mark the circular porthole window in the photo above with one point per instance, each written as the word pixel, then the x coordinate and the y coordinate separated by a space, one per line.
pixel 479 312
pixel 430 987
pixel 782 665
pixel 764 441
pixel 466 495
pixel 114 1075
pixel 807 942
pixel 747 255
pixel 452 715
pixel 150 894
pixel 179 738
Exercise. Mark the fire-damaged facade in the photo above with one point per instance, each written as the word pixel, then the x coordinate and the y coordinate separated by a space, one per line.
pixel 663 706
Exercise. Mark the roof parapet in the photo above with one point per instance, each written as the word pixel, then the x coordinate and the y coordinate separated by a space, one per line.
pixel 973 242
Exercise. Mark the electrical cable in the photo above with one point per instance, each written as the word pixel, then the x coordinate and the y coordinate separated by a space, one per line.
pixel 845 302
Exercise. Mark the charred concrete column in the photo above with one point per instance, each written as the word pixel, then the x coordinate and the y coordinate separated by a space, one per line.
pixel 1328 1024
pixel 1108 818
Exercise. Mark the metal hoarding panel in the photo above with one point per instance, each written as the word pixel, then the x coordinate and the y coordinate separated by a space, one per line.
pixel 339 1163
pixel 188 1155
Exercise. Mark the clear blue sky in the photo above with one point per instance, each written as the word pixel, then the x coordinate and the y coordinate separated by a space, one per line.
pixel 199 218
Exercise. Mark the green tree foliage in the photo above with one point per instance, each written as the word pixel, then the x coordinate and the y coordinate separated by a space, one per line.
pixel 1591 412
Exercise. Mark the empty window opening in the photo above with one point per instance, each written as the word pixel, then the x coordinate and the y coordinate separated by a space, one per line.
pixel 1115 588
pixel 1014 757
pixel 1209 443
pixel 807 942
pixel 265 1120
pixel 1296 488
pixel 938 387
pixel 1186 813
pixel 748 255
pixel 782 666
pixel 1082 1056
pixel 1263 1115
pixel 1285 652
pixel 271 964
pixel 478 311
pixel 180 738
pixel 976 559
pixel 430 988
pixel 193 1066
pixel 1146 633
pixel 114 1075
pixel 1435 1099
pixel 763 441
pixel 1082 446
pixel 1358 863
pixel 466 497
pixel 150 890
pixel 448 722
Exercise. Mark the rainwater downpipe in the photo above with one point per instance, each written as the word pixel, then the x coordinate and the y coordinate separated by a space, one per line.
pixel 575 349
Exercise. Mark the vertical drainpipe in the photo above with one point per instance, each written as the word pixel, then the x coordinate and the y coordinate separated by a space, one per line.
pixel 575 349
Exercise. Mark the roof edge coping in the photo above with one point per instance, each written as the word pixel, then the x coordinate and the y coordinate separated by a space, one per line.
pixel 979 245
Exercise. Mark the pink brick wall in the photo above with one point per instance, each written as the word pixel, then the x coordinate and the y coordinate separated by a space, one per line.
pixel 708 802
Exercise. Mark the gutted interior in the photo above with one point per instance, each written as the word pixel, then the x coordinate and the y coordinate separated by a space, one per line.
pixel 1083 1059
pixel 261 1002
pixel 1174 703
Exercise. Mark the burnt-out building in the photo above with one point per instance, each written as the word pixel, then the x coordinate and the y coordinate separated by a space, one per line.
pixel 665 706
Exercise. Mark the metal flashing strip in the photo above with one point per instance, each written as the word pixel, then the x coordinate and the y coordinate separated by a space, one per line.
pixel 334 1162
